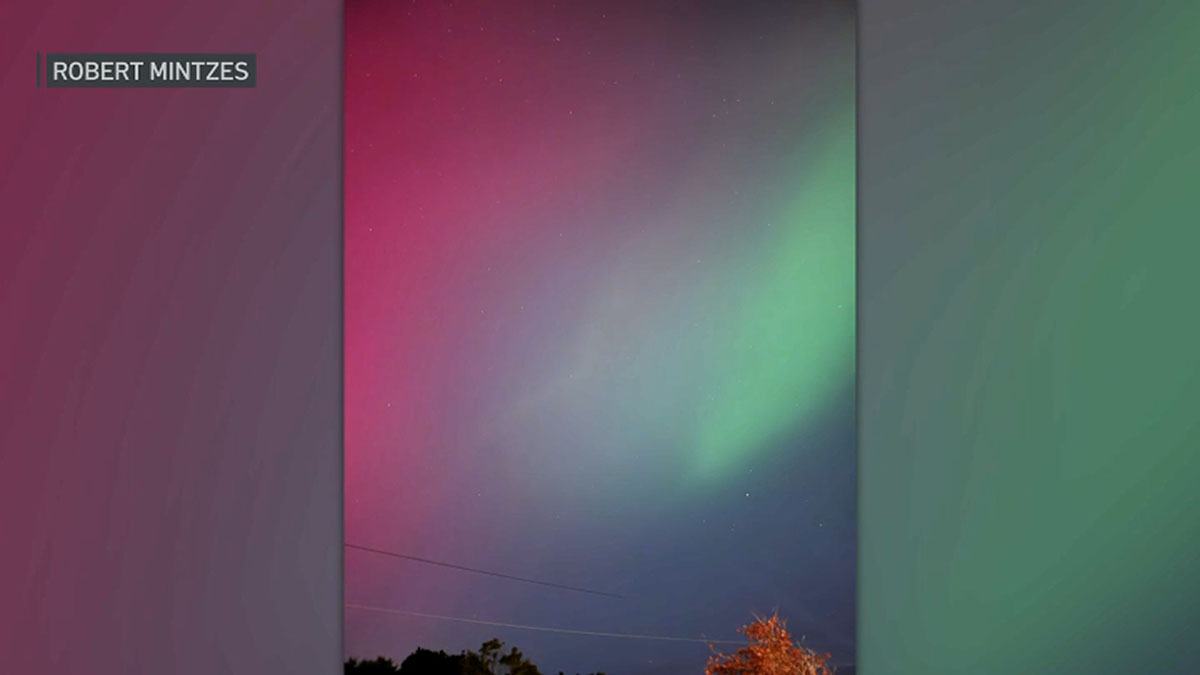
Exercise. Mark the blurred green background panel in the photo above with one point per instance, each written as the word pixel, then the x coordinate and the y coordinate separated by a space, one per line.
pixel 1029 337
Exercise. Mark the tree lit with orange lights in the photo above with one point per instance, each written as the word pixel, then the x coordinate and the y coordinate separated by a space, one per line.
pixel 772 651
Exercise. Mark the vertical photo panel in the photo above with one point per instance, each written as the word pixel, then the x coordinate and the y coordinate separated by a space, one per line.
pixel 600 337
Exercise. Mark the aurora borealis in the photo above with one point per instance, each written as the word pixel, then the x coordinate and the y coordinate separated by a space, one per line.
pixel 599 264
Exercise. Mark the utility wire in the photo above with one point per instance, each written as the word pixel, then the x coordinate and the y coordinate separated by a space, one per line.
pixel 544 629
pixel 499 575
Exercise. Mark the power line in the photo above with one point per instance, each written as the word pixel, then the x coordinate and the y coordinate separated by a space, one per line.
pixel 544 629
pixel 474 570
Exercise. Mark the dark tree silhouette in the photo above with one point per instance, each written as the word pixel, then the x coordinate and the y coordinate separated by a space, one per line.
pixel 491 659
pixel 427 662
pixel 380 666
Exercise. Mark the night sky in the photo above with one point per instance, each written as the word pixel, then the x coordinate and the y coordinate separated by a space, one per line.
pixel 599 325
